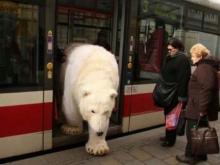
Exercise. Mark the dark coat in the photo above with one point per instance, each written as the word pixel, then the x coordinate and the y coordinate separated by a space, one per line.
pixel 177 69
pixel 204 90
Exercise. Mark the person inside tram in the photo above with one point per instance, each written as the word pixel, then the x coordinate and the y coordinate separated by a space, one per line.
pixel 158 41
pixel 11 56
pixel 102 40
pixel 152 52
pixel 176 69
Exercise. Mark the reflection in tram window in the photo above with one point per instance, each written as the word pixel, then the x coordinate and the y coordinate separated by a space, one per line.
pixel 82 25
pixel 17 38
pixel 210 21
pixel 194 18
pixel 158 22
pixel 191 38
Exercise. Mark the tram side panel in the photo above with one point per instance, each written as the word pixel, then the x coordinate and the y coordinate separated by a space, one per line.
pixel 138 108
pixel 25 123
pixel 139 111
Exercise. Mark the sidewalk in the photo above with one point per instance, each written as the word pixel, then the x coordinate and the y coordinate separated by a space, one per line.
pixel 137 149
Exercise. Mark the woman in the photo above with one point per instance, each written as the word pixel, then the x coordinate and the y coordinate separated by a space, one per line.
pixel 176 69
pixel 203 96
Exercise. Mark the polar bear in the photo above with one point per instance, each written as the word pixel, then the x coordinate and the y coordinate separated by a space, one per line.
pixel 90 87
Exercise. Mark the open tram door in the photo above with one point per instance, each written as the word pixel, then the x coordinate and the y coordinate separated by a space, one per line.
pixel 81 21
pixel 150 24
pixel 26 72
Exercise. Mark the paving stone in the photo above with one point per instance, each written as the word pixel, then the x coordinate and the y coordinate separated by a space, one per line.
pixel 180 144
pixel 213 160
pixel 183 149
pixel 171 160
pixel 154 161
pixel 156 152
pixel 82 162
pixel 158 145
pixel 216 155
pixel 66 156
pixel 137 149
pixel 123 157
pixel 134 162
pixel 203 163
pixel 109 161
pixel 36 161
pixel 96 160
pixel 174 151
pixel 20 162
pixel 182 138
pixel 140 154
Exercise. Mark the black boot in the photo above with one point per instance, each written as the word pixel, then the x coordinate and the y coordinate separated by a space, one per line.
pixel 167 144
pixel 162 139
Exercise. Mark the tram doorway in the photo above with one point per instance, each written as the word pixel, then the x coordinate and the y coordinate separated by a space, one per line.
pixel 83 21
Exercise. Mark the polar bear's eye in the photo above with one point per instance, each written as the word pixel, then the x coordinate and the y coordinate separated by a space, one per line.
pixel 106 112
pixel 92 111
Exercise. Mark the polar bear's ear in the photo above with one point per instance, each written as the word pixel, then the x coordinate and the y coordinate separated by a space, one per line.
pixel 85 93
pixel 113 93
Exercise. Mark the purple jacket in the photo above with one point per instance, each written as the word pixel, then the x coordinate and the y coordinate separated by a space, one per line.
pixel 203 90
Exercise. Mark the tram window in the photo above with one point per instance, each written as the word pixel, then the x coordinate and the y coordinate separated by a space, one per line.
pixel 62 36
pixel 202 20
pixel 21 60
pixel 211 41
pixel 83 24
pixel 158 21
pixel 210 22
pixel 194 18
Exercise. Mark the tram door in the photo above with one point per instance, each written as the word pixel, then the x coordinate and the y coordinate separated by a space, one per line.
pixel 25 83
pixel 82 21
pixel 152 23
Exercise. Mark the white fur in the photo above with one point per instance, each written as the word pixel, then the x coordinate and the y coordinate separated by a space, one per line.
pixel 90 88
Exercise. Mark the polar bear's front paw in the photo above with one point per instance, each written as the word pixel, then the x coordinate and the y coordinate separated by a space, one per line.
pixel 97 149
pixel 70 130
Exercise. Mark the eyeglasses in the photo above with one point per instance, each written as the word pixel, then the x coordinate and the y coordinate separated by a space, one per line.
pixel 169 50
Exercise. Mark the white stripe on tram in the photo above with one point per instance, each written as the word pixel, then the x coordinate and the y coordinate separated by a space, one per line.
pixel 23 98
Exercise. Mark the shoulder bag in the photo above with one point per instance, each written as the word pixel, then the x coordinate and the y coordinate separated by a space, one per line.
pixel 204 140
pixel 164 92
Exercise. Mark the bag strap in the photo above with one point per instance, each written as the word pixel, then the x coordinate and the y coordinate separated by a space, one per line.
pixel 204 133
pixel 197 125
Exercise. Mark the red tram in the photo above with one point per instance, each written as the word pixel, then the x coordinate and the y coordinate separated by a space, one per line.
pixel 34 33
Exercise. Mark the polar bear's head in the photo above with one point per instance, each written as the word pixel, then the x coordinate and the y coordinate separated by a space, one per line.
pixel 96 108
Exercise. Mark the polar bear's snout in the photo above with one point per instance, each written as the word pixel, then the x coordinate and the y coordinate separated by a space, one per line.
pixel 98 124
pixel 99 133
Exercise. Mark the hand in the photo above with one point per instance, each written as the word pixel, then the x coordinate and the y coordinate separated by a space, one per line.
pixel 202 114
pixel 184 105
pixel 63 59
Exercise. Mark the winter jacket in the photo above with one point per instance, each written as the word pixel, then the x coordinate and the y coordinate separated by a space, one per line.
pixel 204 90
pixel 177 69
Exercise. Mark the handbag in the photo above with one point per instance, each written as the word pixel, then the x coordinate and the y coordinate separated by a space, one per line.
pixel 204 140
pixel 173 116
pixel 180 130
pixel 164 92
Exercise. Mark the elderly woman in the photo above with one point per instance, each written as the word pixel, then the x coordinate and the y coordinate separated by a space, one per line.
pixel 203 97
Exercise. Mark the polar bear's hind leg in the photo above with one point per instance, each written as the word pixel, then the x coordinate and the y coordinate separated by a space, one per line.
pixel 71 130
pixel 74 121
